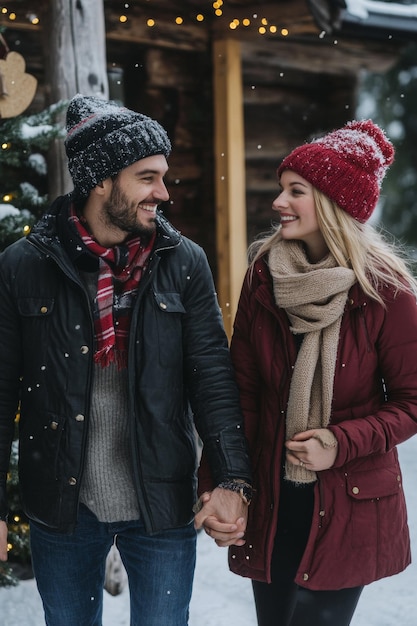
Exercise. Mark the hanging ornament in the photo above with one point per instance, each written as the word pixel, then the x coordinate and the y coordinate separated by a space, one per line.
pixel 17 89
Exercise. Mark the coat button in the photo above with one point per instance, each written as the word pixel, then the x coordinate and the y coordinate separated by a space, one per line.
pixel 355 490
pixel 79 417
pixel 305 576
pixel 84 349
pixel 72 481
pixel 44 309
pixel 54 425
pixel 163 305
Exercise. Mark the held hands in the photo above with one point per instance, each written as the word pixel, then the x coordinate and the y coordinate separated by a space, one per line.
pixel 223 516
pixel 3 541
pixel 316 449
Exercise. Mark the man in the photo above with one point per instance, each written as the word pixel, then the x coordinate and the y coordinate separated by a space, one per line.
pixel 112 343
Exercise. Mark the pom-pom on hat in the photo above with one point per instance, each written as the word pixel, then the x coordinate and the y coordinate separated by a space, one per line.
pixel 347 165
pixel 103 138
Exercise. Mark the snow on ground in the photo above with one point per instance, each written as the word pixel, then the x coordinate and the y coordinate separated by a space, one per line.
pixel 221 598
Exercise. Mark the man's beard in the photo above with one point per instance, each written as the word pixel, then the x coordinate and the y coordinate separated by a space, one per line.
pixel 118 212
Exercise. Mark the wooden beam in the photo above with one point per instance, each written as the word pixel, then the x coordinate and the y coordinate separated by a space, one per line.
pixel 229 170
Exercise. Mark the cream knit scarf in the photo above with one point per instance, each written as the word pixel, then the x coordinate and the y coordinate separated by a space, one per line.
pixel 314 298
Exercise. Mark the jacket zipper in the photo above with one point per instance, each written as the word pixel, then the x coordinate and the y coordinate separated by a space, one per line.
pixel 138 476
pixel 322 510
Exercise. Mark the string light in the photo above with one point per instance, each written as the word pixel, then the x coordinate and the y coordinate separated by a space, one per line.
pixel 263 26
pixel 7 197
pixel 33 18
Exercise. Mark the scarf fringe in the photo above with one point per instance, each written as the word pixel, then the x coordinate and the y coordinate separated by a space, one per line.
pixel 109 355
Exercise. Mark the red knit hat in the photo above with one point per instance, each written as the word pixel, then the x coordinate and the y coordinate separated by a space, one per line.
pixel 347 165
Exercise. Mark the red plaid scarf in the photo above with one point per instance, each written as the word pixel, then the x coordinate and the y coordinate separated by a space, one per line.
pixel 124 265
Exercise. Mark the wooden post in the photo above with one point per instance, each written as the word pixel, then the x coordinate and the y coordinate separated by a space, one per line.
pixel 75 54
pixel 229 171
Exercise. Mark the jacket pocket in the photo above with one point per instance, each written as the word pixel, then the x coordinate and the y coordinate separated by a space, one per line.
pixel 169 315
pixel 35 307
pixel 375 504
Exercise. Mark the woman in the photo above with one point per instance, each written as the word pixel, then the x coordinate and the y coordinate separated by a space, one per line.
pixel 324 347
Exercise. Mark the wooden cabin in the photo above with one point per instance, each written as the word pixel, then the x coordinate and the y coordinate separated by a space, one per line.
pixel 237 85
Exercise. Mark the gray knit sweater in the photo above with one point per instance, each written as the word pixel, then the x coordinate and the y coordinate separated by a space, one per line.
pixel 107 488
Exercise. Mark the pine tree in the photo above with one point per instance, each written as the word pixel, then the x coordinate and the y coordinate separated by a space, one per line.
pixel 23 180
pixel 23 170
pixel 391 99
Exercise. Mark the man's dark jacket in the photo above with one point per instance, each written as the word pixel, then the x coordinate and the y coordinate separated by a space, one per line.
pixel 179 367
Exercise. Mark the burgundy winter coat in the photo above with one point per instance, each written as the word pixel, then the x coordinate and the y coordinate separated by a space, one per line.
pixel 359 531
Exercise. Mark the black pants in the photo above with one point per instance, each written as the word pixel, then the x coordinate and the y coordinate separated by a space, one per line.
pixel 292 605
pixel 282 602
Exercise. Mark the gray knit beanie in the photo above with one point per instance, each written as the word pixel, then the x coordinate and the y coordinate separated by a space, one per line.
pixel 103 138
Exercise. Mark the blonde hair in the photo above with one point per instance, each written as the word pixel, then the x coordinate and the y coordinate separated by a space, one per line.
pixel 373 258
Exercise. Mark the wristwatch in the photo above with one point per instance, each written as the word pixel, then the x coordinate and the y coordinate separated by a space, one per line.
pixel 244 489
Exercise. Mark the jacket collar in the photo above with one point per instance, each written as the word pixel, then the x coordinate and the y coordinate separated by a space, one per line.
pixel 52 230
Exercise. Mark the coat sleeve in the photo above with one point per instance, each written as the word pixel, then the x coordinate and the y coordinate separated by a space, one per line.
pixel 247 370
pixel 212 387
pixel 394 330
pixel 9 375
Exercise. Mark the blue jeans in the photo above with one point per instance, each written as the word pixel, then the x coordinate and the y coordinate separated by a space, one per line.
pixel 70 570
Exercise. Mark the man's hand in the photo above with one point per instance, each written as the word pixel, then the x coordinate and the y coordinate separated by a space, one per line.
pixel 223 516
pixel 3 541
pixel 316 449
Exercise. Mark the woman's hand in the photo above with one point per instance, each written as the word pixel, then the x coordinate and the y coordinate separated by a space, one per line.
pixel 316 449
